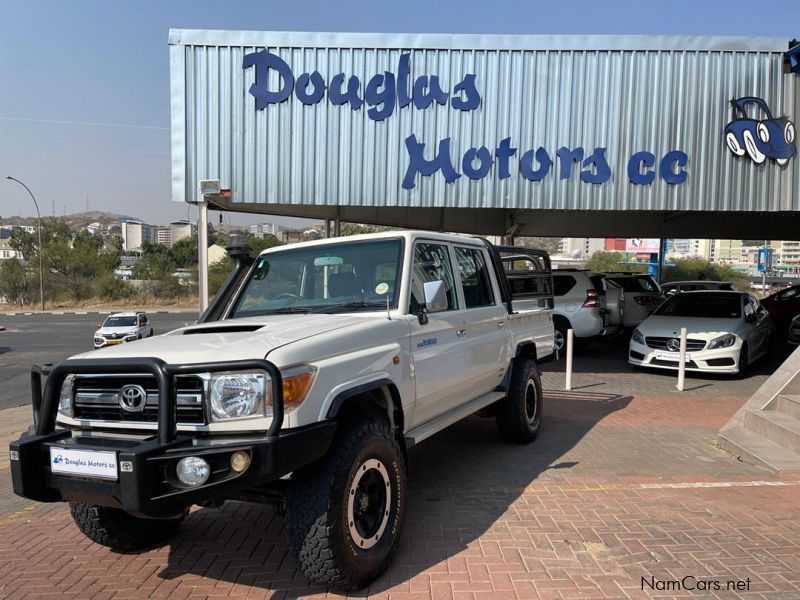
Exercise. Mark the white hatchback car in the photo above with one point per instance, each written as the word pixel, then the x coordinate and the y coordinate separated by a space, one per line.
pixel 727 331
pixel 122 327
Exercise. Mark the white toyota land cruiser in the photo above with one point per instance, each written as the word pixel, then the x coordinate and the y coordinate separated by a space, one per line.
pixel 314 369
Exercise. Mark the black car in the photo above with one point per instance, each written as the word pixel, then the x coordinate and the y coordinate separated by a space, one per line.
pixel 794 331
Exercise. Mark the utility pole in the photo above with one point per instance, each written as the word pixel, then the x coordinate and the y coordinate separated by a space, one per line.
pixel 39 221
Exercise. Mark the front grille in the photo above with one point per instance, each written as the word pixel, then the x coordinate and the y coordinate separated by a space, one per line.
pixel 97 397
pixel 690 364
pixel 660 343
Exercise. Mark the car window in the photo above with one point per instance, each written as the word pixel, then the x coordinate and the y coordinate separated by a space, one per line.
pixel 787 295
pixel 475 282
pixel 598 281
pixel 726 287
pixel 635 284
pixel 120 322
pixel 431 263
pixel 562 284
pixel 714 305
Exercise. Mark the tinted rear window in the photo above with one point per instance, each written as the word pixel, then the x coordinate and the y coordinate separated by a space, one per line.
pixel 635 284
pixel 714 306
pixel 562 284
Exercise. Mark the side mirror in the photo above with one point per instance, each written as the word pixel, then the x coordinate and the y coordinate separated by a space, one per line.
pixel 435 296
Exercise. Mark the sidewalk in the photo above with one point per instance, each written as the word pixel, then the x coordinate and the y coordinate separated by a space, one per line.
pixel 618 492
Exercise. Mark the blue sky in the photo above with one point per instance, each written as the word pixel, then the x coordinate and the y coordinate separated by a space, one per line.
pixel 84 88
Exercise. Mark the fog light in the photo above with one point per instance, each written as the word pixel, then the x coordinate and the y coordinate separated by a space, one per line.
pixel 240 461
pixel 193 471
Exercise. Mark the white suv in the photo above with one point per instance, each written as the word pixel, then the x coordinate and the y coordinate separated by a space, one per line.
pixel 580 304
pixel 122 327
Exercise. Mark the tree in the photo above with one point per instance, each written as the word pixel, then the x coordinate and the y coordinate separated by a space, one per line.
pixel 157 263
pixel 604 262
pixel 550 244
pixel 74 262
pixel 184 252
pixel 16 283
pixel 689 269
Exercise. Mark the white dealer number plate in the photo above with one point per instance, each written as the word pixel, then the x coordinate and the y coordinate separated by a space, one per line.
pixel 88 463
pixel 672 356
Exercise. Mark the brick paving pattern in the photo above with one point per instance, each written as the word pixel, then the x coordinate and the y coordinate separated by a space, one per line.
pixel 623 483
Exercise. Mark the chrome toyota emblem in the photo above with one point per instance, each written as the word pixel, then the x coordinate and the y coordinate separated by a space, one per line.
pixel 132 398
pixel 674 344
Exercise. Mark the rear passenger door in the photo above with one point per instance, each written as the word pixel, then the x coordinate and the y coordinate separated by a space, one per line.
pixel 485 332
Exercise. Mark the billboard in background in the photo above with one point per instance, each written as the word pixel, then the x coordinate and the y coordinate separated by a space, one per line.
pixel 648 245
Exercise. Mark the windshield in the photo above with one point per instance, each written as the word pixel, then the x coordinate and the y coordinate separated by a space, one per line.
pixel 636 284
pixel 713 305
pixel 120 322
pixel 342 277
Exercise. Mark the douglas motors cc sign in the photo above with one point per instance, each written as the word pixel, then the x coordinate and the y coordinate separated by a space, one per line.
pixel 388 92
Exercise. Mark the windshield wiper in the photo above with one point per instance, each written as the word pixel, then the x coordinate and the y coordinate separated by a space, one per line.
pixel 355 304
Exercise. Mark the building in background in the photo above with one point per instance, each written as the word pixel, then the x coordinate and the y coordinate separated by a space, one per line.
pixel 580 247
pixel 164 235
pixel 135 233
pixel 726 251
pixel 262 230
pixel 180 230
pixel 6 251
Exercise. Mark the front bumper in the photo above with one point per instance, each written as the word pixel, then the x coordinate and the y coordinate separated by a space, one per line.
pixel 145 482
pixel 722 360
pixel 103 342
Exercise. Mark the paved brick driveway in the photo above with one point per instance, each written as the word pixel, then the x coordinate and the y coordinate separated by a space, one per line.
pixel 624 483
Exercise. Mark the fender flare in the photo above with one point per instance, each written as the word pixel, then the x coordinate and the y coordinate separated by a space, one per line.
pixel 340 398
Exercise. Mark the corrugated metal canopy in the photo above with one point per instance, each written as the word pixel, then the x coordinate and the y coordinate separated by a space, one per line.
pixel 612 96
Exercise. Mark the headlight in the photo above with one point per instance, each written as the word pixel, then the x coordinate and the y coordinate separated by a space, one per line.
pixel 243 394
pixel 65 399
pixel 637 337
pixel 297 382
pixel 723 341
pixel 237 395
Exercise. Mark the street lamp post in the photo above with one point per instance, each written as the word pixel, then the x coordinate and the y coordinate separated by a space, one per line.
pixel 39 221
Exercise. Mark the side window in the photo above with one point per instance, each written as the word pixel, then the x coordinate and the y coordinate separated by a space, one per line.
pixel 431 263
pixel 726 286
pixel 748 306
pixel 562 284
pixel 475 281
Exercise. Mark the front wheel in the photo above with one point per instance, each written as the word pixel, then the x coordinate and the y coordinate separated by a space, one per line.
pixel 120 531
pixel 345 512
pixel 519 414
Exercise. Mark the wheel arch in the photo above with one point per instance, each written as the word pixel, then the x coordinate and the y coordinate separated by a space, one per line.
pixel 527 349
pixel 379 397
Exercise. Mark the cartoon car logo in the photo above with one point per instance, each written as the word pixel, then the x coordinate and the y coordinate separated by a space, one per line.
pixel 760 138
pixel 58 459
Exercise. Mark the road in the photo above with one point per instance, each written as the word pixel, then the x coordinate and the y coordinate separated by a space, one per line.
pixel 49 338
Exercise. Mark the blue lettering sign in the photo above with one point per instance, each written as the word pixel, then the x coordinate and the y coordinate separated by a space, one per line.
pixel 666 170
pixel 526 164
pixel 599 171
pixel 635 164
pixel 418 164
pixel 485 162
pixel 264 61
pixel 385 92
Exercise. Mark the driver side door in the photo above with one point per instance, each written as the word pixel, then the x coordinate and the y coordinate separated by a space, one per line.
pixel 441 358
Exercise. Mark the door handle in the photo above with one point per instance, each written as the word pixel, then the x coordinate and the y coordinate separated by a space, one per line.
pixel 500 324
pixel 461 332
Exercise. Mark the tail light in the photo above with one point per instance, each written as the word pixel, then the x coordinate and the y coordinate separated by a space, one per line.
pixel 592 299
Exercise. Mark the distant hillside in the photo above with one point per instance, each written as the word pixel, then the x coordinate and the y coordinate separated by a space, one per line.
pixel 75 221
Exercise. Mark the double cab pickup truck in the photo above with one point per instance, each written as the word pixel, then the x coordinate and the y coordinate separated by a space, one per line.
pixel 313 371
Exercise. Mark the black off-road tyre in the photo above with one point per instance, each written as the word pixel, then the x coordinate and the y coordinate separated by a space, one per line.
pixel 327 534
pixel 519 414
pixel 120 531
